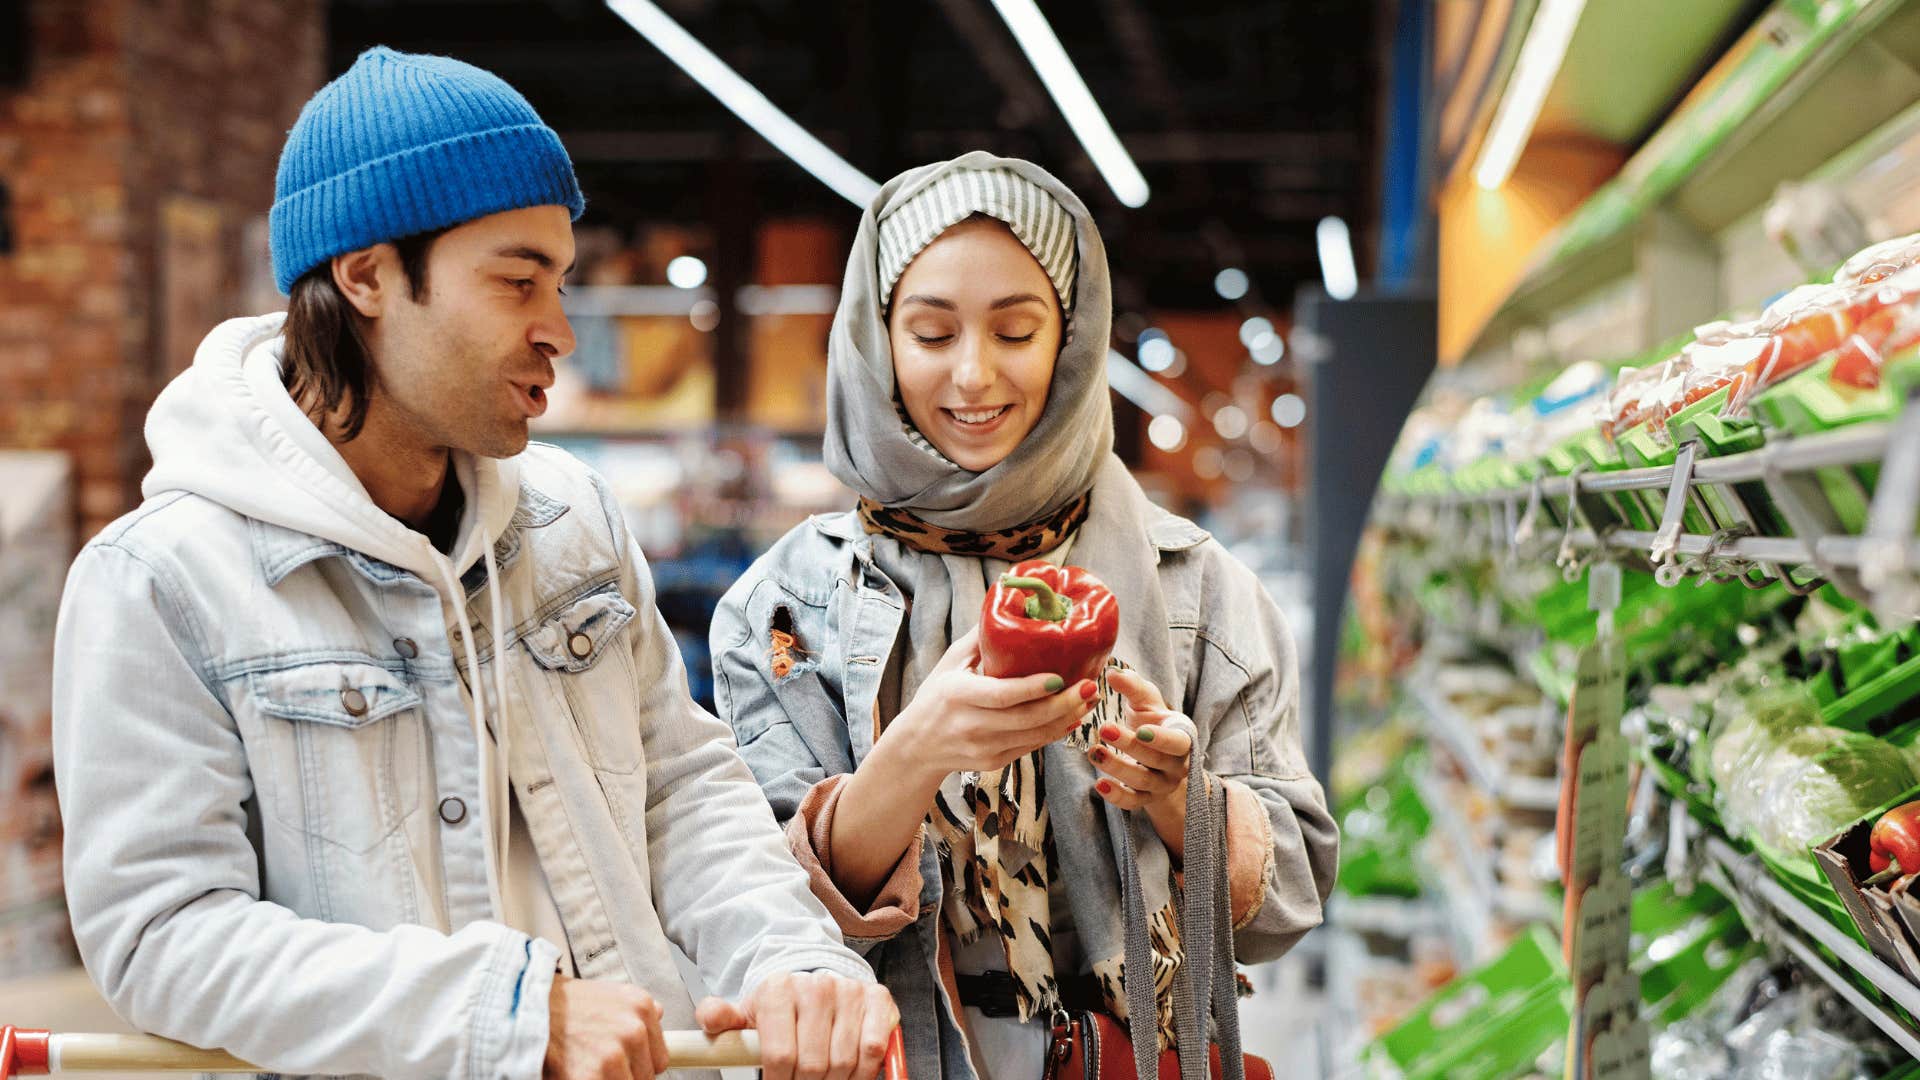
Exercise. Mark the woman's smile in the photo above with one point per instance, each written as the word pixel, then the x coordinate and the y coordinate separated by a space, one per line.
pixel 978 421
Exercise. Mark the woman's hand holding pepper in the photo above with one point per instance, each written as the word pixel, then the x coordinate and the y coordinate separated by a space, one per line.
pixel 1144 760
pixel 962 720
pixel 958 720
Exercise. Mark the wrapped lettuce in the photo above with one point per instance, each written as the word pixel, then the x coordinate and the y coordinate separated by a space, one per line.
pixel 1783 779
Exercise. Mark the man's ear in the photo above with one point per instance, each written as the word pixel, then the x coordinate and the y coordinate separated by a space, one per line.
pixel 364 277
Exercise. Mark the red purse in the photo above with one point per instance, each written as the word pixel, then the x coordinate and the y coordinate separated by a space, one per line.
pixel 1093 1046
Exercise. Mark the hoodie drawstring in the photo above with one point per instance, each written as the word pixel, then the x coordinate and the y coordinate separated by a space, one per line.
pixel 502 735
pixel 495 863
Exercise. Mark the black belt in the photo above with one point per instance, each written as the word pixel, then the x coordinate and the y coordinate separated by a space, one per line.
pixel 994 993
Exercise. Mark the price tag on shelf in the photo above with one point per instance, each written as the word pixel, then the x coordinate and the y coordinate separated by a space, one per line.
pixel 1599 816
pixel 1607 1038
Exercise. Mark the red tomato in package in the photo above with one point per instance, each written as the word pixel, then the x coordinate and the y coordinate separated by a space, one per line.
pixel 1805 337
pixel 1891 324
pixel 1890 330
pixel 1700 389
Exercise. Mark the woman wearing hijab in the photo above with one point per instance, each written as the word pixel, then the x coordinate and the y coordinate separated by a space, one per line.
pixel 981 841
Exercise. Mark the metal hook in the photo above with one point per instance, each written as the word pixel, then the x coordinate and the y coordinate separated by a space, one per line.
pixel 1568 554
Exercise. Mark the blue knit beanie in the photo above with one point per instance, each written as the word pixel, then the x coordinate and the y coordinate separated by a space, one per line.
pixel 404 144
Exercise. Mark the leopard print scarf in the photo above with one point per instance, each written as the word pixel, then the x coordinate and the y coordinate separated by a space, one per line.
pixel 996 859
pixel 1013 545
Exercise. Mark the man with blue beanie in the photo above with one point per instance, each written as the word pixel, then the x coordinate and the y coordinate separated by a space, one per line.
pixel 375 755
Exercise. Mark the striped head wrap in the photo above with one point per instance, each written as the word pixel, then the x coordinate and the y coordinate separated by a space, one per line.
pixel 1035 217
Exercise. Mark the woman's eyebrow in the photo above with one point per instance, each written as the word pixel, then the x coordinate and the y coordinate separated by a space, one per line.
pixel 1011 301
pixel 931 301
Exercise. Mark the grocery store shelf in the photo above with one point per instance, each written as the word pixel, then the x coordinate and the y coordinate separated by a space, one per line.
pixel 1836 71
pixel 1861 444
pixel 1786 466
pixel 1451 729
pixel 1469 912
pixel 1782 918
pixel 1391 916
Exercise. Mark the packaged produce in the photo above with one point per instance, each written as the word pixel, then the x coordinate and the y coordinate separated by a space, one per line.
pixel 1880 261
pixel 1891 324
pixel 1639 394
pixel 1783 779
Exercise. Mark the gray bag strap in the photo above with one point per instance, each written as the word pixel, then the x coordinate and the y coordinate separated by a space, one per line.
pixel 1206 982
pixel 1143 1013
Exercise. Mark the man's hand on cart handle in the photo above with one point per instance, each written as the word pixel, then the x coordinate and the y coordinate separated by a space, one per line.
pixel 812 1025
pixel 603 1031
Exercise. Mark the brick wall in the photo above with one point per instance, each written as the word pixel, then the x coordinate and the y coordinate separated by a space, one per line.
pixel 137 152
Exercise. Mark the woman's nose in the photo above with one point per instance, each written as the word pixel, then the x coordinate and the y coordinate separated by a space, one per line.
pixel 974 372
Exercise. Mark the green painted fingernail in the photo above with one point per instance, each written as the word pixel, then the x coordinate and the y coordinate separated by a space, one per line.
pixel 1055 684
pixel 1145 734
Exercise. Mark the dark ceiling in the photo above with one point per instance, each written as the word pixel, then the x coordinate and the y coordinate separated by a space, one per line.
pixel 1250 121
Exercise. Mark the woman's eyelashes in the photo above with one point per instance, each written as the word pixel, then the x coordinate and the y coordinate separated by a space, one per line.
pixel 934 341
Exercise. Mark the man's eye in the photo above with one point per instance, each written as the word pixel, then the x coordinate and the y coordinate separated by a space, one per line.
pixel 521 283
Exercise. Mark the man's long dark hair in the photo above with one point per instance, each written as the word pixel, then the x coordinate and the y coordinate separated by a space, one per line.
pixel 325 363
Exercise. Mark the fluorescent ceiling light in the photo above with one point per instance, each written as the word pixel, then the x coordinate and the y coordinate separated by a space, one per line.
pixel 1540 56
pixel 1142 389
pixel 1336 259
pixel 750 105
pixel 1070 92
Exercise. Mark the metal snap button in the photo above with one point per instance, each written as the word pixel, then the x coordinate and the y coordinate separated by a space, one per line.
pixel 580 645
pixel 406 648
pixel 453 810
pixel 353 701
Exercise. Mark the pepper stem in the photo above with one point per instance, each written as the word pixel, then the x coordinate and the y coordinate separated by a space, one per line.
pixel 1892 871
pixel 1042 602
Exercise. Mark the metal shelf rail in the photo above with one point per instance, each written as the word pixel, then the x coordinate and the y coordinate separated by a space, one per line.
pixel 1879 565
pixel 1777 916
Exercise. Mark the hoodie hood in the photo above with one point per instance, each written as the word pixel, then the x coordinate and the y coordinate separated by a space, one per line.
pixel 225 429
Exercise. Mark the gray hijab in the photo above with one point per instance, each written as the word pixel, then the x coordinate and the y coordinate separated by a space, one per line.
pixel 873 453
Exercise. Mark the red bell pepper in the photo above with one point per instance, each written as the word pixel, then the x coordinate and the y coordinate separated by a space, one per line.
pixel 1894 844
pixel 1044 619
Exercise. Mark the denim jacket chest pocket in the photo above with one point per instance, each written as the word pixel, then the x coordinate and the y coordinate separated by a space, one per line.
pixel 583 654
pixel 346 746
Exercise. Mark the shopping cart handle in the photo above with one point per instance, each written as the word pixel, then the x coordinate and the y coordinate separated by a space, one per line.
pixel 36 1052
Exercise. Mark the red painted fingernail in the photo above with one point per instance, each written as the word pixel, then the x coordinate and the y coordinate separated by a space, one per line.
pixel 1105 788
pixel 1109 732
pixel 1087 690
pixel 1099 754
